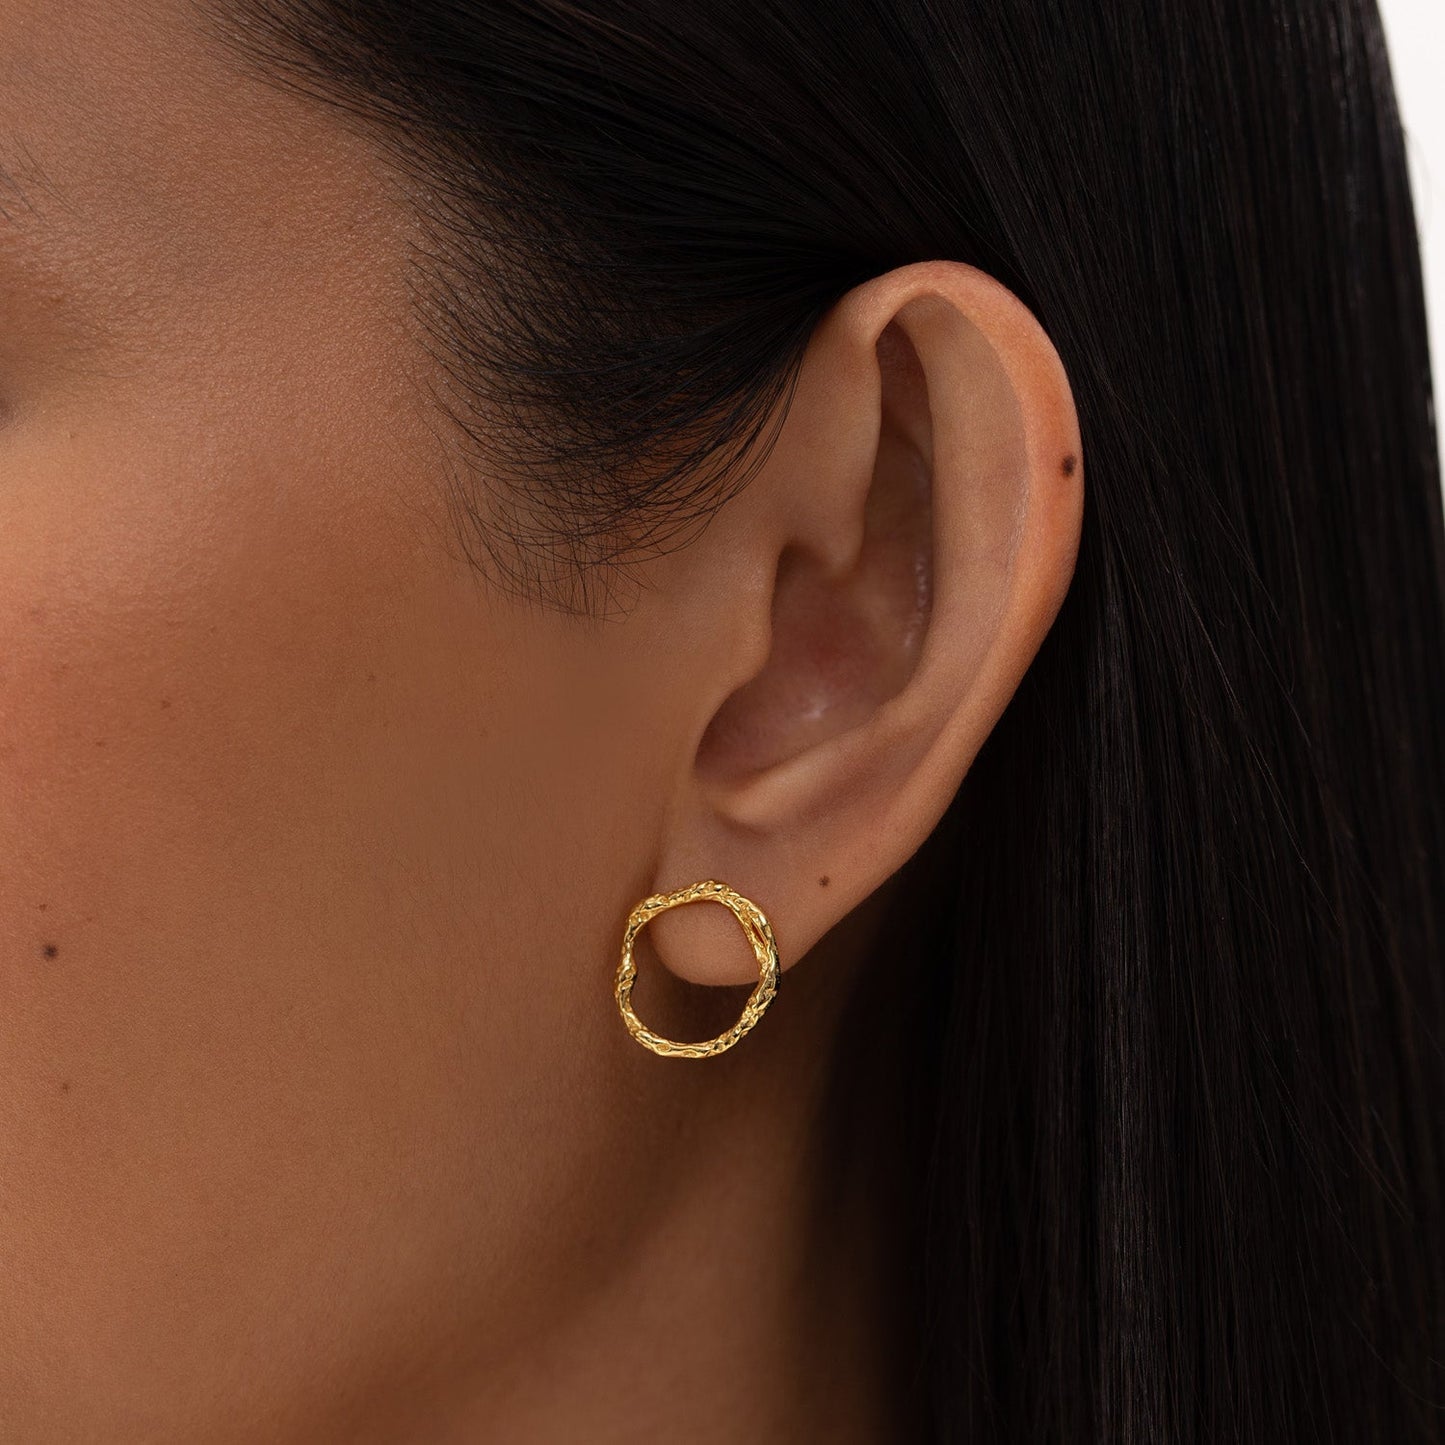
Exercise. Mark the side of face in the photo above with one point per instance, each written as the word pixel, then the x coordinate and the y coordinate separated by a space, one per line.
pixel 318 849
pixel 307 836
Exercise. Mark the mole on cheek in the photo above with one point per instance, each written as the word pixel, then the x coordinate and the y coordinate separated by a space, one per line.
pixel 1070 462
pixel 823 881
pixel 50 950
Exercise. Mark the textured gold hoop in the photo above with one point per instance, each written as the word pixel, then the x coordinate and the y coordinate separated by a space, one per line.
pixel 759 934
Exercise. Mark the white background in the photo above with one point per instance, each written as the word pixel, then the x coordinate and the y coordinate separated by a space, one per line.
pixel 1415 35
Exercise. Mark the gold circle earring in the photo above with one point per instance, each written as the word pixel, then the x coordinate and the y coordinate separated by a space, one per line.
pixel 759 934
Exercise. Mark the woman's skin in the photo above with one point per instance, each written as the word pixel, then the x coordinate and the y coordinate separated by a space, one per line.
pixel 318 1121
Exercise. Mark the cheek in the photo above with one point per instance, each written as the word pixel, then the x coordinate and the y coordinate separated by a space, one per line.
pixel 187 645
pixel 186 711
pixel 276 817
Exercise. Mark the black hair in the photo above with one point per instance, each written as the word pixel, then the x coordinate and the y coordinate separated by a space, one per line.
pixel 1170 986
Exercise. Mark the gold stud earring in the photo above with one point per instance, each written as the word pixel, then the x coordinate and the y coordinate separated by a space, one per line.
pixel 759 934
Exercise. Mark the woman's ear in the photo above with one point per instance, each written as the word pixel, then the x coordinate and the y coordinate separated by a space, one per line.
pixel 864 609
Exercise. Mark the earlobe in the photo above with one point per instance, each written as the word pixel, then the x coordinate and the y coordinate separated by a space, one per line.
pixel 919 518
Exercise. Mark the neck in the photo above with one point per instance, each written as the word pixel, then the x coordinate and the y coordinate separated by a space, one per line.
pixel 756 1298
pixel 734 1319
